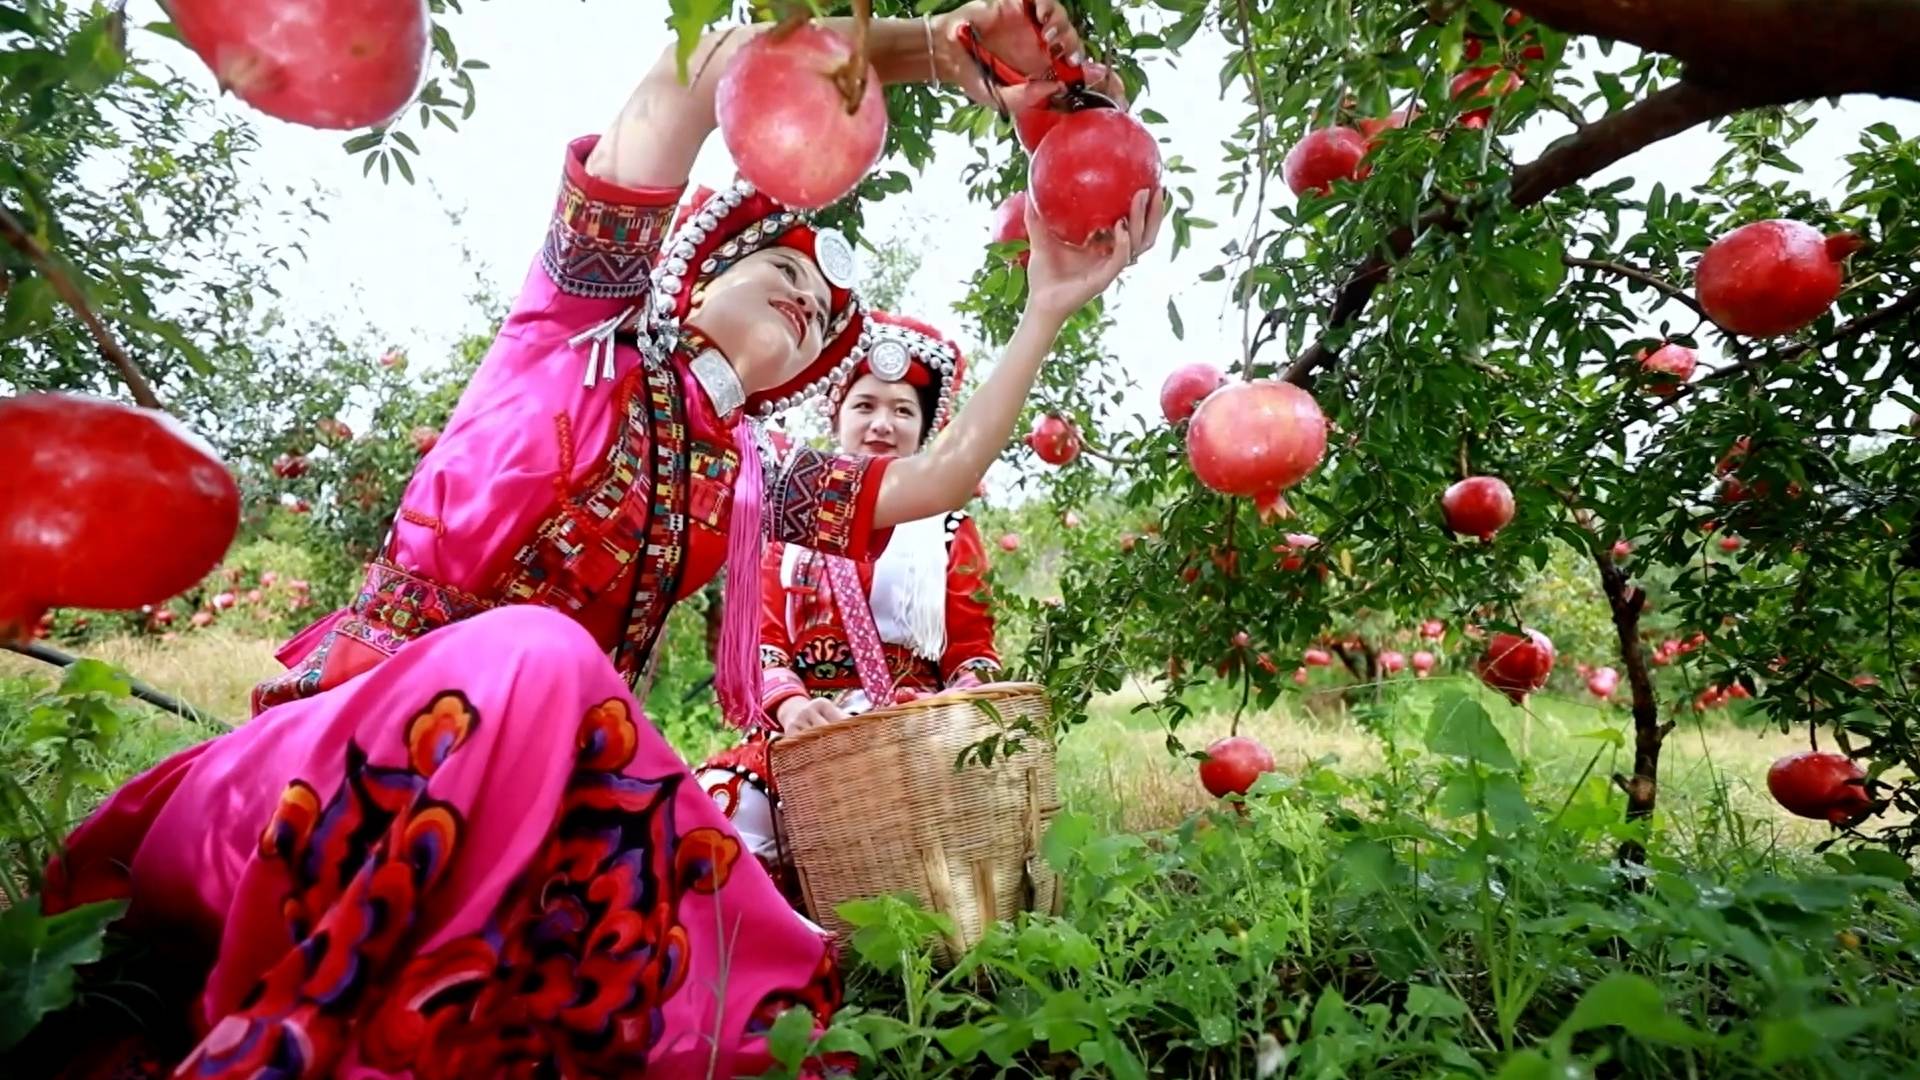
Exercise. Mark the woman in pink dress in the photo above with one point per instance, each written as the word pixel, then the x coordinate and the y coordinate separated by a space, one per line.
pixel 449 844
pixel 839 637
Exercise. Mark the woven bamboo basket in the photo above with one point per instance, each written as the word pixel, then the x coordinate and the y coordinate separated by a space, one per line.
pixel 874 805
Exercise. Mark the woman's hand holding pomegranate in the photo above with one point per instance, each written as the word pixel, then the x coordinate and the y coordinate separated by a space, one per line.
pixel 1062 277
pixel 1006 31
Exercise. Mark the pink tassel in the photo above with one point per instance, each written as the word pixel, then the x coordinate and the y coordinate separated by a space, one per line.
pixel 738 676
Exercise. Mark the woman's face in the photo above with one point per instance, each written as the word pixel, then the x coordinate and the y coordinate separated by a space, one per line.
pixel 880 418
pixel 768 313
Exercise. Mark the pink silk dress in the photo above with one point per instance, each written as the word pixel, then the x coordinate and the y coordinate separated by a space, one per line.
pixel 450 844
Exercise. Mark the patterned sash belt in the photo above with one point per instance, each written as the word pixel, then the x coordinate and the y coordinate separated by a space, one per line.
pixel 395 607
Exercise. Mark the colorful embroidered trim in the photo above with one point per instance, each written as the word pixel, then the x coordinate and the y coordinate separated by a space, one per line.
pixel 814 499
pixel 656 580
pixel 602 250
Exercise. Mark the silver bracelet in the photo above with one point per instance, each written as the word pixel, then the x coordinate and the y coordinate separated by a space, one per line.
pixel 933 70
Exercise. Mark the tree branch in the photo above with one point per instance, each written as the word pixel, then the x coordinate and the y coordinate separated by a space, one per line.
pixel 1905 306
pixel 1771 51
pixel 47 654
pixel 1633 273
pixel 1573 158
pixel 22 241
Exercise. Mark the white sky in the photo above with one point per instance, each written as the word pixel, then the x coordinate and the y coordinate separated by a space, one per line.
pixel 562 68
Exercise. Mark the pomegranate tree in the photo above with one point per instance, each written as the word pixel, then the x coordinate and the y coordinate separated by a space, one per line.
pixel 323 63
pixel 1516 664
pixel 1771 277
pixel 1054 440
pixel 1186 388
pixel 1325 155
pixel 1478 506
pixel 1256 439
pixel 1233 764
pixel 1010 225
pixel 1476 84
pixel 108 506
pixel 1820 785
pixel 786 122
pixel 1084 175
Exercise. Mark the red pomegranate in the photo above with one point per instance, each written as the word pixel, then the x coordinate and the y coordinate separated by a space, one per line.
pixel 1372 127
pixel 1242 639
pixel 107 506
pixel 1233 764
pixel 1186 388
pixel 1666 368
pixel 300 506
pixel 1316 658
pixel 201 620
pixel 1256 438
pixel 1293 552
pixel 1603 682
pixel 424 439
pixel 786 123
pixel 1300 676
pixel 163 617
pixel 268 577
pixel 323 63
pixel 1054 440
pixel 223 601
pixel 1622 549
pixel 1325 155
pixel 1819 785
pixel 1477 83
pixel 253 596
pixel 1393 662
pixel 1031 125
pixel 1433 629
pixel 1086 172
pixel 1009 543
pixel 1423 662
pixel 1771 277
pixel 393 360
pixel 1729 544
pixel 1516 665
pixel 1010 224
pixel 1070 520
pixel 290 466
pixel 334 430
pixel 1478 506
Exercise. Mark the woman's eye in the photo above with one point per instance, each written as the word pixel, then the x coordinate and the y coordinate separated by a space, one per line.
pixel 791 274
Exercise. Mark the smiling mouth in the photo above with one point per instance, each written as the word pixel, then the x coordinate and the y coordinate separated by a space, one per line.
pixel 878 446
pixel 794 318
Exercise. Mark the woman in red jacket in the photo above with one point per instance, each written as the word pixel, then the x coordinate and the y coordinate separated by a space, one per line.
pixel 840 636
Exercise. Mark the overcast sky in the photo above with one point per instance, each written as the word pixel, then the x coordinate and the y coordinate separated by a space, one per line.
pixel 561 68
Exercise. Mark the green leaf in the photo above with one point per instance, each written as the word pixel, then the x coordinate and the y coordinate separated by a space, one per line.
pixel 1526 1065
pixel 94 677
pixel 37 958
pixel 1461 728
pixel 30 306
pixel 1173 320
pixel 689 20
pixel 790 1036
pixel 1435 1003
pixel 1631 1002
pixel 1803 1034
pixel 1368 865
pixel 1069 834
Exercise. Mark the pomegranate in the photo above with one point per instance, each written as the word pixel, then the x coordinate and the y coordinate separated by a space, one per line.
pixel 786 123
pixel 1233 764
pixel 393 360
pixel 1256 438
pixel 1031 125
pixel 1266 664
pixel 1823 786
pixel 290 466
pixel 1729 544
pixel 1186 388
pixel 333 429
pixel 1516 665
pixel 323 63
pixel 163 617
pixel 298 585
pixel 1739 692
pixel 1372 128
pixel 424 439
pixel 1771 277
pixel 1010 224
pixel 253 596
pixel 1300 676
pixel 1666 368
pixel 1622 549
pixel 1326 155
pixel 1070 520
pixel 1242 639
pixel 1393 662
pixel 107 506
pixel 1433 629
pixel 1127 541
pixel 1316 658
pixel 1054 440
pixel 1477 83
pixel 1009 543
pixel 1478 506
pixel 300 506
pixel 1423 662
pixel 1085 174
pixel 201 620
pixel 223 601
pixel 1603 682
pixel 1293 552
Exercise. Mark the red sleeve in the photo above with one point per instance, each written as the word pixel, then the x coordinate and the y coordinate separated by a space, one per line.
pixel 778 680
pixel 603 238
pixel 969 619
pixel 825 501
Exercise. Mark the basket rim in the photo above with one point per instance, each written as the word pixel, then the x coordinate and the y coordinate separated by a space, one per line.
pixel 989 692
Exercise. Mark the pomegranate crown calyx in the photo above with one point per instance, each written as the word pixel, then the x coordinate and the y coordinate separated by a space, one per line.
pixel 1842 244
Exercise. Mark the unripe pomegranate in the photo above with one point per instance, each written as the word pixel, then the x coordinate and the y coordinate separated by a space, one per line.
pixel 1256 438
pixel 106 506
pixel 1666 368
pixel 1479 83
pixel 1771 277
pixel 323 63
pixel 1186 388
pixel 1325 155
pixel 1423 662
pixel 1054 440
pixel 1010 224
pixel 1316 658
pixel 1516 665
pixel 786 122
pixel 290 466
pixel 1233 765
pixel 1084 175
pixel 1819 785
pixel 1478 506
